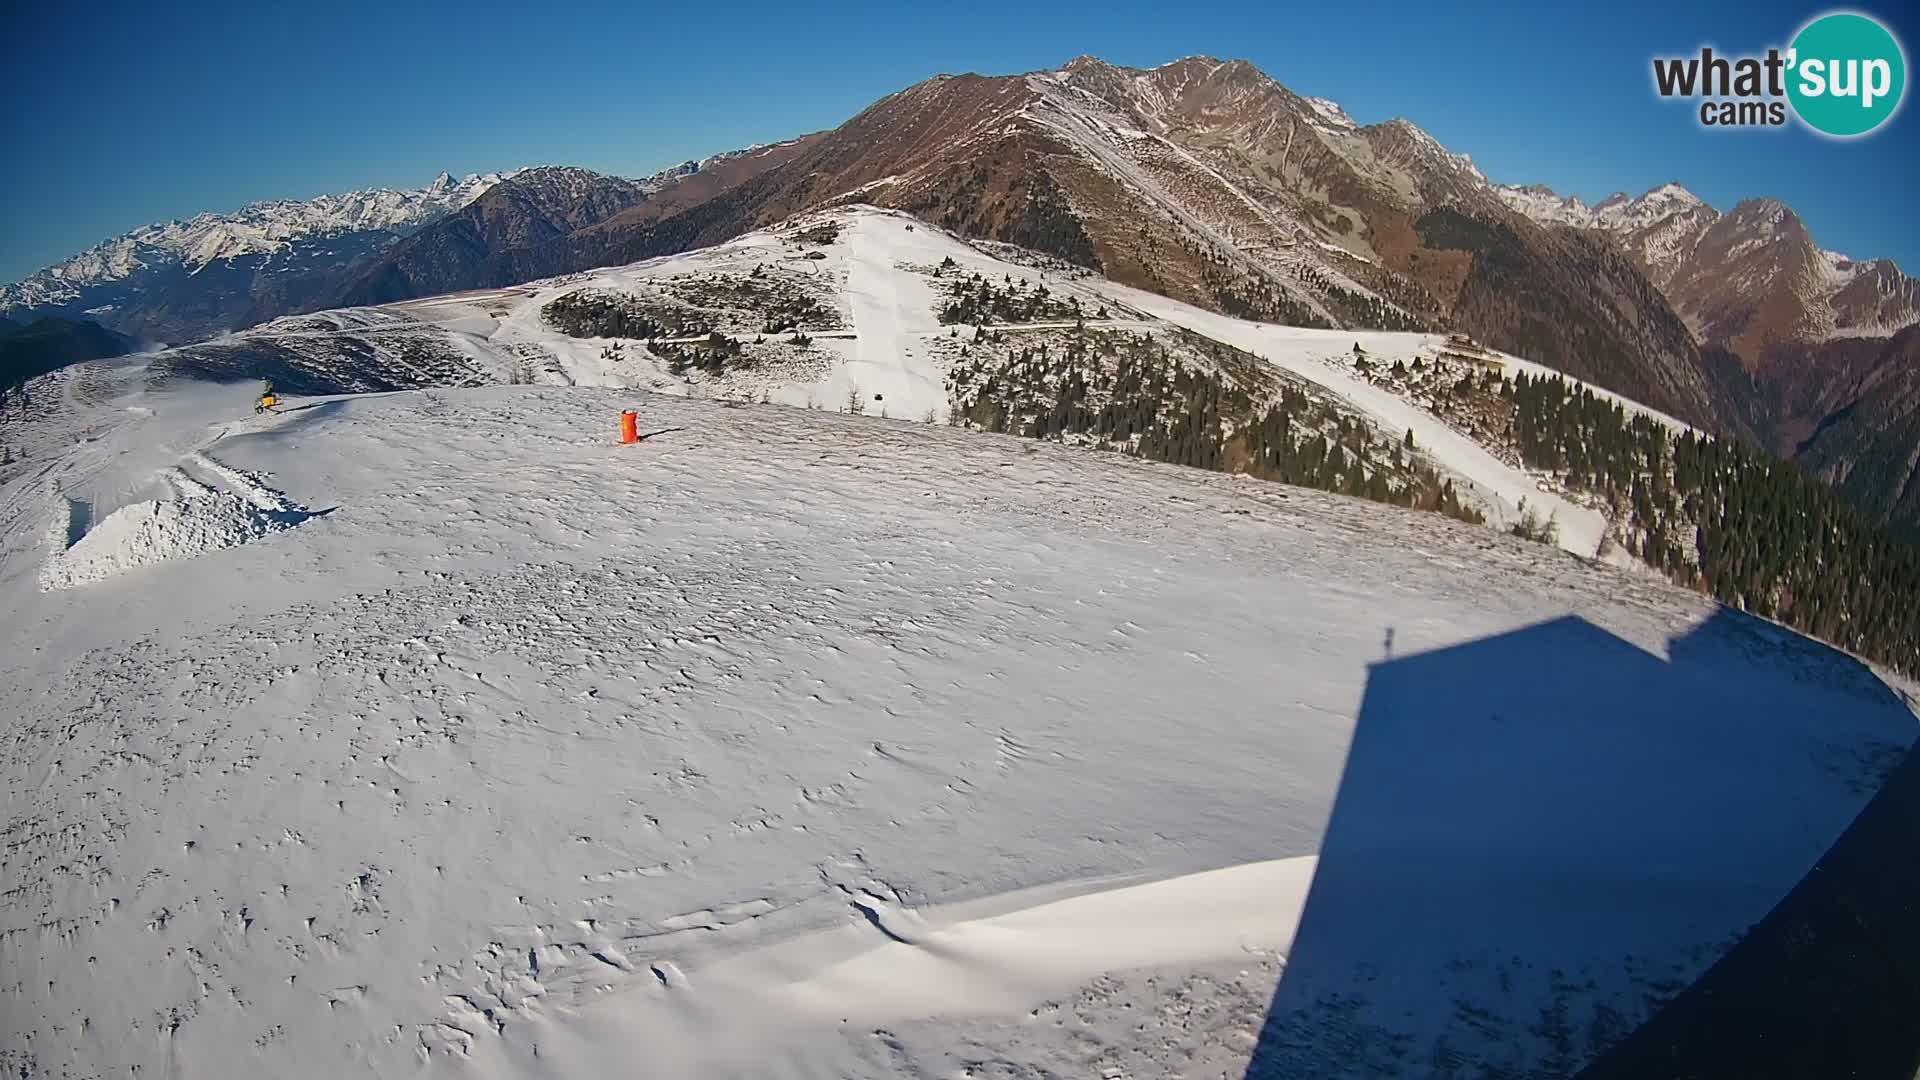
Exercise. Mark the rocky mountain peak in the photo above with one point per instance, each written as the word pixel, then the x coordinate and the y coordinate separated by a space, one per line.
pixel 1764 213
pixel 1672 191
pixel 1083 64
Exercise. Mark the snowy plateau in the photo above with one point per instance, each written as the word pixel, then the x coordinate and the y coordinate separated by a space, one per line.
pixel 426 730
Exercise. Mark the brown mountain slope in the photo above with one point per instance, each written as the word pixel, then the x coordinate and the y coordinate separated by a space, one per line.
pixel 1806 347
pixel 479 245
pixel 1868 446
pixel 1212 183
pixel 1744 280
pixel 1574 302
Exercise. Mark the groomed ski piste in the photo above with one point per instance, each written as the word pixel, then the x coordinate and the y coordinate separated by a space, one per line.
pixel 435 733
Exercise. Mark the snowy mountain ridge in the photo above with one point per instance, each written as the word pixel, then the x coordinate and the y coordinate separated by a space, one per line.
pixel 156 266
pixel 1210 182
pixel 261 228
pixel 1756 255
pixel 1616 211
pixel 1816 344
pixel 1174 135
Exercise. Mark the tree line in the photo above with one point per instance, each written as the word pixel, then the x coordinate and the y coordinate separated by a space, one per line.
pixel 1752 530
pixel 1128 393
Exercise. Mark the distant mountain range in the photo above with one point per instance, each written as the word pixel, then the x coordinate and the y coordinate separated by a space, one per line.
pixel 1748 278
pixel 1200 179
pixel 499 238
pixel 189 280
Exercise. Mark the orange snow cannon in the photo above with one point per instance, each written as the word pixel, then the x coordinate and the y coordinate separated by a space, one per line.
pixel 629 426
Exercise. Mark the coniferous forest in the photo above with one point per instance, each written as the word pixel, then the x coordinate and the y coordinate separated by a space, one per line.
pixel 1214 409
pixel 1753 531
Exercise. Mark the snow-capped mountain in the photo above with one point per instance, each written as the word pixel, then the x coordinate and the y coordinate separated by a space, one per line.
pixel 264 232
pixel 477 245
pixel 1747 278
pixel 187 280
pixel 1202 180
pixel 1540 203
pixel 261 228
pixel 1618 212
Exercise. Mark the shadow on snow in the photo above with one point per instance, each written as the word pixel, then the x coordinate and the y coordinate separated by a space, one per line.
pixel 1542 837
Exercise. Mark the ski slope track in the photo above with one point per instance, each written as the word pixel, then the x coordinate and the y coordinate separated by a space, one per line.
pixel 877 270
pixel 795 744
pixel 891 311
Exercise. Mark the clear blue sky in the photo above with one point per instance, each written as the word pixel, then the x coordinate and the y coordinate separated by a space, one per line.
pixel 119 114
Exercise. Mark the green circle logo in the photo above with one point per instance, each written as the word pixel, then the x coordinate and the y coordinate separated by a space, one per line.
pixel 1847 74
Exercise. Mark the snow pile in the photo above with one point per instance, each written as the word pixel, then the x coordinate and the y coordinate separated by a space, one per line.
pixel 197 519
pixel 154 531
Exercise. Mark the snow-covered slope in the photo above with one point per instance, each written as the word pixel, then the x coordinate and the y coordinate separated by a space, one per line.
pixel 1209 182
pixel 891 351
pixel 787 743
pixel 877 339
